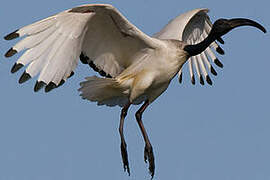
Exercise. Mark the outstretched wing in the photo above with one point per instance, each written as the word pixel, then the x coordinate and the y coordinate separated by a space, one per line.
pixel 98 34
pixel 192 27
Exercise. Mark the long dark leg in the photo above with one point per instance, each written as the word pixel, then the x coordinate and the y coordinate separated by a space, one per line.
pixel 123 142
pixel 148 150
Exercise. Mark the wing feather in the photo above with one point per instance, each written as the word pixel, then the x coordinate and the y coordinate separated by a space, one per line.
pixel 53 45
pixel 202 66
pixel 191 71
pixel 206 60
pixel 193 27
pixel 37 27
pixel 34 40
pixel 35 52
pixel 197 68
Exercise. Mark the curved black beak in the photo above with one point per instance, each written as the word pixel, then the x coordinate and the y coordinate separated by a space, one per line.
pixel 245 22
pixel 220 28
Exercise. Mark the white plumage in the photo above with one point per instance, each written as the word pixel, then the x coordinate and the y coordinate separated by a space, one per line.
pixel 137 67
pixel 105 37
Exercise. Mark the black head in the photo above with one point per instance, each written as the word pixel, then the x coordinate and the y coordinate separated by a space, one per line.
pixel 220 28
pixel 223 26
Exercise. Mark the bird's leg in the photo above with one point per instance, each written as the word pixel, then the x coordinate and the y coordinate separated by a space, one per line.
pixel 123 142
pixel 148 150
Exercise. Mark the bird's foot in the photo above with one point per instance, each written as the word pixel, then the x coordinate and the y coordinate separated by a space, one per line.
pixel 125 157
pixel 149 156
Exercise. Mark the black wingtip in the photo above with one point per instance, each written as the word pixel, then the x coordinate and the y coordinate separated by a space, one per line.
pixel 208 80
pixel 218 63
pixel 193 80
pixel 50 87
pixel 25 77
pixel 12 35
pixel 201 80
pixel 213 71
pixel 10 52
pixel 180 78
pixel 108 76
pixel 84 59
pixel 16 67
pixel 93 66
pixel 61 83
pixel 102 73
pixel 220 50
pixel 220 40
pixel 71 74
pixel 39 85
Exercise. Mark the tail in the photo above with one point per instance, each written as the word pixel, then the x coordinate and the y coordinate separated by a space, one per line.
pixel 104 91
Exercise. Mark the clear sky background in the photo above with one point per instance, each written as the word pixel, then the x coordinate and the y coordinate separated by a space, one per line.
pixel 198 133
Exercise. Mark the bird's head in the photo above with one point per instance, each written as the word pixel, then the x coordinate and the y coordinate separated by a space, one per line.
pixel 220 28
pixel 223 26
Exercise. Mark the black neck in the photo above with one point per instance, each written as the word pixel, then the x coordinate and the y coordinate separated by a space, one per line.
pixel 196 49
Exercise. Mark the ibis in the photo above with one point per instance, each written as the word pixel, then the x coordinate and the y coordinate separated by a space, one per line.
pixel 133 68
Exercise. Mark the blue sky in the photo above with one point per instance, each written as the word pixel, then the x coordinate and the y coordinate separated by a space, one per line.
pixel 198 133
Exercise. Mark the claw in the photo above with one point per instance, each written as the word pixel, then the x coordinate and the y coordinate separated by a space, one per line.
pixel 125 157
pixel 145 155
pixel 149 156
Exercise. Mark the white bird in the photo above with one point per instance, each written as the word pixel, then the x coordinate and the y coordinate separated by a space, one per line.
pixel 137 68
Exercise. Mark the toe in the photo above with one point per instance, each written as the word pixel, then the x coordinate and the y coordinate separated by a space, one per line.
pixel 149 156
pixel 125 157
